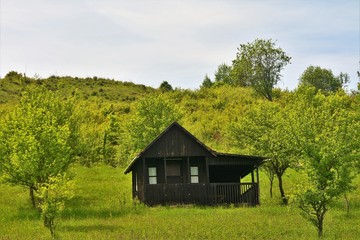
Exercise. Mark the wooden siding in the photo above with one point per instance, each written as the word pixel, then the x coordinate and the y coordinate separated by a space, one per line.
pixel 202 194
pixel 176 143
pixel 186 163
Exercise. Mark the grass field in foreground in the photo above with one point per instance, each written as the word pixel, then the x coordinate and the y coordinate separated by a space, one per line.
pixel 102 209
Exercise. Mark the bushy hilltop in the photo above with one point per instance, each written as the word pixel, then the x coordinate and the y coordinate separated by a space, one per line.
pixel 14 83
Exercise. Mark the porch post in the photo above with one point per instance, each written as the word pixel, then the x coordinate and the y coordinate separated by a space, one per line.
pixel 258 185
pixel 144 178
pixel 188 169
pixel 165 171
pixel 207 181
pixel 207 170
pixel 254 201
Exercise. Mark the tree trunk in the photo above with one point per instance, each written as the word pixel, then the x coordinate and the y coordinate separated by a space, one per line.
pixel 271 187
pixel 320 226
pixel 320 214
pixel 32 197
pixel 282 193
pixel 104 148
pixel 347 204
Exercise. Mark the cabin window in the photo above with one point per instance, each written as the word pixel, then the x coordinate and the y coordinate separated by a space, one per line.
pixel 194 174
pixel 174 171
pixel 152 175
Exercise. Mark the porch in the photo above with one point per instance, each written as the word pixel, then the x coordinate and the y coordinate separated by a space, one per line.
pixel 202 193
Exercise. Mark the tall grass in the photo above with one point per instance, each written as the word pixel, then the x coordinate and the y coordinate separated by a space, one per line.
pixel 103 209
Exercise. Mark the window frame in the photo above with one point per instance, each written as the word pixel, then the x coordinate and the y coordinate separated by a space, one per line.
pixel 152 175
pixel 194 175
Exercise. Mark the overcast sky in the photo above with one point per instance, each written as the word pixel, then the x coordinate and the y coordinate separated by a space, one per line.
pixel 149 41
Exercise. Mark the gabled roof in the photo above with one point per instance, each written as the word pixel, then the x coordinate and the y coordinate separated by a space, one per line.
pixel 202 145
pixel 173 125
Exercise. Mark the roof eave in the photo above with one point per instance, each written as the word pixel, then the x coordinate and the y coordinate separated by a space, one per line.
pixel 128 168
pixel 259 159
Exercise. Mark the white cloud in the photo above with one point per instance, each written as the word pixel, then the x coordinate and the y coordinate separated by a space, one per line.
pixel 178 41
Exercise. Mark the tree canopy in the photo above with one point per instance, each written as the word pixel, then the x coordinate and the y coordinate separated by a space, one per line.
pixel 152 115
pixel 326 131
pixel 165 86
pixel 323 79
pixel 264 130
pixel 258 64
pixel 38 139
pixel 223 75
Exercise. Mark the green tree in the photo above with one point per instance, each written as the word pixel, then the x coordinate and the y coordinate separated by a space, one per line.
pixel 151 116
pixel 13 75
pixel 18 78
pixel 263 131
pixel 258 64
pixel 222 75
pixel 207 83
pixel 38 140
pixel 325 129
pixel 165 87
pixel 53 195
pixel 323 79
pixel 111 141
pixel 93 120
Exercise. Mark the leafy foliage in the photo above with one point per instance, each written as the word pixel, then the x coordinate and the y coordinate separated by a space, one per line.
pixel 38 139
pixel 152 115
pixel 264 130
pixel 207 83
pixel 258 64
pixel 53 195
pixel 165 87
pixel 90 89
pixel 323 79
pixel 223 75
pixel 325 133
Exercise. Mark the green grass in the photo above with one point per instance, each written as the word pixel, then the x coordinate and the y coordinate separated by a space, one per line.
pixel 102 209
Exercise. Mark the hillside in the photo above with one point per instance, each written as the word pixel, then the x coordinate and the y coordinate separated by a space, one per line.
pixel 205 112
pixel 87 88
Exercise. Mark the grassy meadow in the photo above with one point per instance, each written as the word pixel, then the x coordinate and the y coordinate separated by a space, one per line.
pixel 102 209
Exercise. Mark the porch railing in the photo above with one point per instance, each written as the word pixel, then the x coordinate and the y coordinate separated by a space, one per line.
pixel 202 194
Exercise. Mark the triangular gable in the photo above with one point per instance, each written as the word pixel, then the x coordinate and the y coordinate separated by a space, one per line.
pixel 175 141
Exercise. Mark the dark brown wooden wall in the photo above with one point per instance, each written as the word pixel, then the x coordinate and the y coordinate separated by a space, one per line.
pixel 176 143
pixel 159 164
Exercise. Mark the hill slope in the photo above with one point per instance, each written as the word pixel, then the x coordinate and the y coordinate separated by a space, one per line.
pixel 110 90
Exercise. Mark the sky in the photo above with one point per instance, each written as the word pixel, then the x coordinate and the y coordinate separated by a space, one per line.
pixel 151 41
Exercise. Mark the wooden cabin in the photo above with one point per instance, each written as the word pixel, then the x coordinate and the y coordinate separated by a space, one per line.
pixel 176 168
